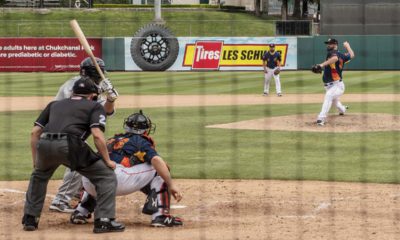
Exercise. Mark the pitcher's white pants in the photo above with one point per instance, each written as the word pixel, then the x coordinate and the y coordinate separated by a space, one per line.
pixel 267 78
pixel 332 95
pixel 131 180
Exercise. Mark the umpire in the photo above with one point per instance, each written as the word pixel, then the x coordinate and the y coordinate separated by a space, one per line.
pixel 58 138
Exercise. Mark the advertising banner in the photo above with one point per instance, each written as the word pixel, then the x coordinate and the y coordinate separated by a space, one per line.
pixel 225 53
pixel 43 54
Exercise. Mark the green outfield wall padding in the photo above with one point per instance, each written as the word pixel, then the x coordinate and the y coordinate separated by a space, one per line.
pixel 372 52
pixel 114 53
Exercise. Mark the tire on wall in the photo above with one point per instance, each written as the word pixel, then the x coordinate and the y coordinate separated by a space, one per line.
pixel 154 48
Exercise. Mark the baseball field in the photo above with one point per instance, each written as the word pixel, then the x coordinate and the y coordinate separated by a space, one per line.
pixel 249 166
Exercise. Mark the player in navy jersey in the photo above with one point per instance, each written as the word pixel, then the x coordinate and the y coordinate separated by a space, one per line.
pixel 332 78
pixel 271 64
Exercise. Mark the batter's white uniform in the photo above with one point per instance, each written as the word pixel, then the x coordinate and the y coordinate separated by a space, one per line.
pixel 267 79
pixel 131 180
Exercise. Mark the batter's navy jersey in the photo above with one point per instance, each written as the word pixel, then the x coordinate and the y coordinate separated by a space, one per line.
pixel 333 72
pixel 271 59
pixel 131 149
pixel 73 116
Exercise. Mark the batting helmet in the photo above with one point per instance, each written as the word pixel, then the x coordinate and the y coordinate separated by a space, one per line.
pixel 138 123
pixel 88 69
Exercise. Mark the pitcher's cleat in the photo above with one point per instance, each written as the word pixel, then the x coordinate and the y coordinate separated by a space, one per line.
pixel 342 113
pixel 320 123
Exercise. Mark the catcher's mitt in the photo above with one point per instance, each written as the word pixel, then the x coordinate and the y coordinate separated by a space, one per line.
pixel 277 71
pixel 316 68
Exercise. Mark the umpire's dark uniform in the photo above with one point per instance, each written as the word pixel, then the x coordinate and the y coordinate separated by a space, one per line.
pixel 66 124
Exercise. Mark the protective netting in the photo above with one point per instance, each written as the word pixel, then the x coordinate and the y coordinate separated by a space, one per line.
pixel 251 164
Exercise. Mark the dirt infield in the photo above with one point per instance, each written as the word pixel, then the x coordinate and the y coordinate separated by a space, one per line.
pixel 129 101
pixel 354 122
pixel 227 209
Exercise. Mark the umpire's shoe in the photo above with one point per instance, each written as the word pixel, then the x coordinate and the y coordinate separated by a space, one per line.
pixel 166 221
pixel 104 225
pixel 30 222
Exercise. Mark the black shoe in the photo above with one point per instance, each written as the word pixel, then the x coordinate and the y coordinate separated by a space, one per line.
pixel 104 225
pixel 30 222
pixel 79 218
pixel 166 221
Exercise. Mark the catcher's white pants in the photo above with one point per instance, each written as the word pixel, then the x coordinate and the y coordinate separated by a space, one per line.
pixel 267 78
pixel 332 95
pixel 131 180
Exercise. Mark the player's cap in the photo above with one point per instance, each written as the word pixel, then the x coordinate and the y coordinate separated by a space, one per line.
pixel 85 86
pixel 271 45
pixel 331 41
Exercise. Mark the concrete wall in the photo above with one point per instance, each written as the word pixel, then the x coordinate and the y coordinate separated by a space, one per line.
pixel 360 17
pixel 185 1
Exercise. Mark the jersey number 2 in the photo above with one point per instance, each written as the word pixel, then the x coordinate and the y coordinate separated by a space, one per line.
pixel 102 120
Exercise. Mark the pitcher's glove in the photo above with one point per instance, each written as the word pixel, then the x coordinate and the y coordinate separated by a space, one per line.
pixel 277 71
pixel 316 68
pixel 108 89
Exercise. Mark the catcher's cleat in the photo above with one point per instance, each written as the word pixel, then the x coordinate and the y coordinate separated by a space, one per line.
pixel 265 94
pixel 104 225
pixel 61 207
pixel 30 222
pixel 320 123
pixel 79 218
pixel 166 221
pixel 279 94
pixel 342 113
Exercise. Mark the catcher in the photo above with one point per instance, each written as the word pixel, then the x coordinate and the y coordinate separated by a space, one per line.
pixel 139 168
pixel 272 67
pixel 332 78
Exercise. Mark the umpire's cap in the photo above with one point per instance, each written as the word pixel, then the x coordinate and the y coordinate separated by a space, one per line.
pixel 84 86
pixel 331 41
pixel 271 45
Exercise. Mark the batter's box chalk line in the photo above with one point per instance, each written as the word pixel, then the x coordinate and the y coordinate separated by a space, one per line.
pixel 5 190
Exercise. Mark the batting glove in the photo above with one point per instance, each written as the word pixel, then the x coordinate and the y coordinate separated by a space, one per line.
pixel 106 85
pixel 107 88
pixel 112 95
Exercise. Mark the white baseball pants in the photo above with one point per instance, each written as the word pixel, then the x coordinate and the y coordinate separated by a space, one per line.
pixel 131 180
pixel 332 95
pixel 267 78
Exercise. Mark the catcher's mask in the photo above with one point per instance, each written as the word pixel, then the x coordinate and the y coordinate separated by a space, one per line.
pixel 88 69
pixel 138 123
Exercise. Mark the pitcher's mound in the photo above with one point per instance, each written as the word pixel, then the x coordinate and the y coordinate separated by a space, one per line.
pixel 307 122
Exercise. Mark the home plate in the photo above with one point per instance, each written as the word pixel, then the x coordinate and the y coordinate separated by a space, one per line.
pixel 177 206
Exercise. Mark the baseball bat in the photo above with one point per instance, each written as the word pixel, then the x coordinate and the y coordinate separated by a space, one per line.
pixel 82 39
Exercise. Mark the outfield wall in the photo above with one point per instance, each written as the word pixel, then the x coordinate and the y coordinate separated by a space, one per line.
pixel 64 54
pixel 372 52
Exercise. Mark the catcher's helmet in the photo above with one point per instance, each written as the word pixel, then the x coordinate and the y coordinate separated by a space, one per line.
pixel 138 123
pixel 88 69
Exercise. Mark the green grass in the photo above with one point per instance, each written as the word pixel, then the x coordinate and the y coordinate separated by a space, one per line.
pixel 194 151
pixel 47 84
pixel 102 23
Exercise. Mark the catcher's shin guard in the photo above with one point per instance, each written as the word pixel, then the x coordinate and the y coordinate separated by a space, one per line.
pixel 88 202
pixel 157 200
